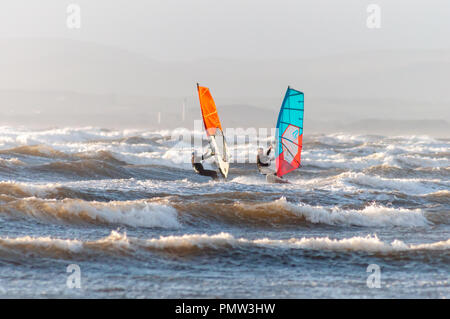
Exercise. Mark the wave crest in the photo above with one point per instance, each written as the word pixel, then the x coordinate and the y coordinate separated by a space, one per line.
pixel 282 212
pixel 35 150
pixel 130 213
pixel 120 244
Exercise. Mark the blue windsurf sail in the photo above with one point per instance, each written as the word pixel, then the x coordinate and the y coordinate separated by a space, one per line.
pixel 289 134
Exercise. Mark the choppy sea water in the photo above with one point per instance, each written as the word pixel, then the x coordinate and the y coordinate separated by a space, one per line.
pixel 140 224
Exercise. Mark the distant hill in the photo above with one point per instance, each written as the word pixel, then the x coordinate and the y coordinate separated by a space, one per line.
pixel 43 81
pixel 111 111
pixel 391 127
pixel 68 65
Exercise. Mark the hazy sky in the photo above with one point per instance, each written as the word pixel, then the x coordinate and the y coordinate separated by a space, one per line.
pixel 248 51
pixel 187 29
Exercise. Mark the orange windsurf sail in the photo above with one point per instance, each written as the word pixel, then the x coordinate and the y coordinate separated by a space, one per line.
pixel 209 110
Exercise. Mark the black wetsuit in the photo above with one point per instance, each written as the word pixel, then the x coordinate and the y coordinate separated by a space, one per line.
pixel 199 169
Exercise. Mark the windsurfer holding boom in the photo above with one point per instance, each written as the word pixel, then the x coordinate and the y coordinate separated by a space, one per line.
pixel 198 166
pixel 263 160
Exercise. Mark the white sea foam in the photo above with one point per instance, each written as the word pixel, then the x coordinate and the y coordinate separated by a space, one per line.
pixel 184 243
pixel 351 182
pixel 42 244
pixel 28 189
pixel 223 240
pixel 131 213
pixel 373 215
pixel 370 150
pixel 52 136
pixel 412 186
pixel 10 162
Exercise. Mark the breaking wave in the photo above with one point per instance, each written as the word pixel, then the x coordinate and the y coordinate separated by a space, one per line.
pixel 9 162
pixel 282 212
pixel 35 150
pixel 223 240
pixel 372 215
pixel 121 244
pixel 22 190
pixel 130 213
pixel 43 201
pixel 404 185
pixel 442 197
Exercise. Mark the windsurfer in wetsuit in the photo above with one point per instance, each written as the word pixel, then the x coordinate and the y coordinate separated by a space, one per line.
pixel 198 166
pixel 263 160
